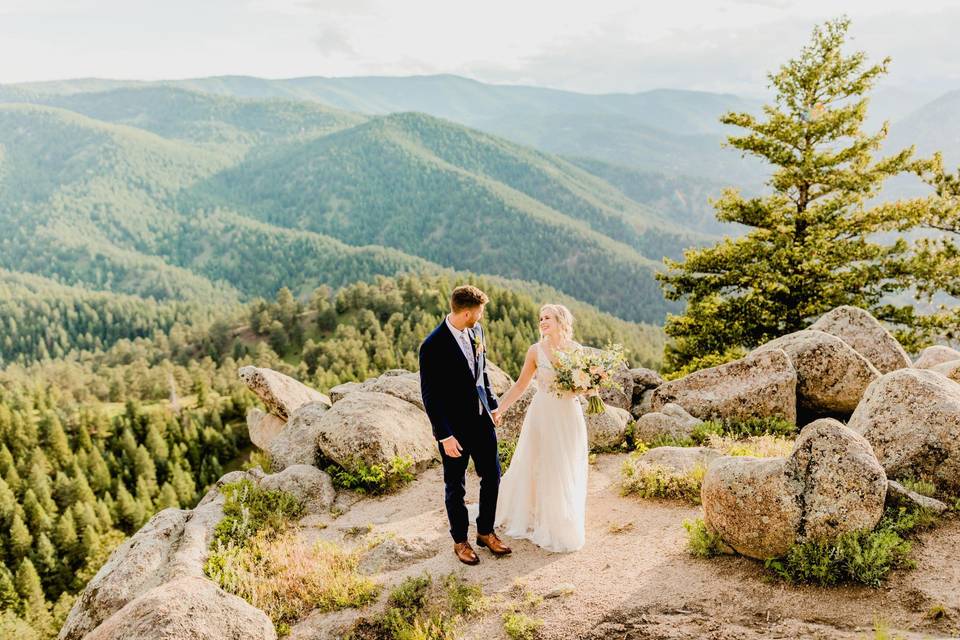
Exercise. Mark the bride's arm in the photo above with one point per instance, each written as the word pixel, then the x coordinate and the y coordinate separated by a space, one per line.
pixel 526 374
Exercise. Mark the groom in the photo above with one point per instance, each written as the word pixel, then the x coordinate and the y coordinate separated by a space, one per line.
pixel 463 411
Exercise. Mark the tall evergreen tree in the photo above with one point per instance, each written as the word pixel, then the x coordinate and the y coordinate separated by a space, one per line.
pixel 811 244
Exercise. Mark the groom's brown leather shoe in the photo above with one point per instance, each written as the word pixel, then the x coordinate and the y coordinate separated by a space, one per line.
pixel 465 553
pixel 492 542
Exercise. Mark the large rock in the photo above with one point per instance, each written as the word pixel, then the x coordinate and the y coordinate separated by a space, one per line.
pixel 509 429
pixel 899 496
pixel 831 376
pixel 844 484
pixel 752 503
pixel 866 335
pixel 644 404
pixel 263 427
pixel 607 430
pixel 937 354
pixel 281 394
pixel 375 428
pixel 911 417
pixel 500 380
pixel 307 483
pixel 399 384
pixel 393 552
pixel 680 460
pixel 950 368
pixel 830 484
pixel 758 386
pixel 297 442
pixel 672 421
pixel 189 607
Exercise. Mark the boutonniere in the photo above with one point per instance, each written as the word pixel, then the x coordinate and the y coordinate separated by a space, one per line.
pixel 477 344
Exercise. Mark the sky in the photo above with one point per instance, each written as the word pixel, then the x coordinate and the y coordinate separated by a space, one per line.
pixel 599 46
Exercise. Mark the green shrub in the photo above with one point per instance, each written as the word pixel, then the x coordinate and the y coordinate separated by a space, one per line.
pixel 654 481
pixel 701 541
pixel 374 479
pixel 248 509
pixel 707 361
pixel 922 487
pixel 465 599
pixel 520 626
pixel 864 557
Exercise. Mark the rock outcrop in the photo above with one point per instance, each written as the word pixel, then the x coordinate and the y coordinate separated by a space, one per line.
pixel 297 441
pixel 761 385
pixel 937 354
pixel 281 394
pixel 911 417
pixel 830 484
pixel 607 430
pixel 831 376
pixel 263 427
pixel 899 496
pixel 866 335
pixel 310 485
pixel 399 384
pixel 680 460
pixel 644 382
pixel 671 421
pixel 173 544
pixel 950 368
pixel 188 607
pixel 375 428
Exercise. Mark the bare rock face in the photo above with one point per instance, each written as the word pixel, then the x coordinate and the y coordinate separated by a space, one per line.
pixel 866 335
pixel 398 383
pixel 311 485
pixel 644 404
pixel 281 394
pixel 937 354
pixel 761 385
pixel 831 376
pixel 394 553
pixel 644 382
pixel 830 484
pixel 680 460
pixel 297 442
pixel 671 421
pixel 899 495
pixel 951 369
pixel 751 503
pixel 500 380
pixel 263 427
pixel 509 429
pixel 189 607
pixel 375 428
pixel 607 430
pixel 911 417
pixel 844 484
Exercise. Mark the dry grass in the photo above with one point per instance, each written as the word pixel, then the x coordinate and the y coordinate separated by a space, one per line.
pixel 767 446
pixel 286 578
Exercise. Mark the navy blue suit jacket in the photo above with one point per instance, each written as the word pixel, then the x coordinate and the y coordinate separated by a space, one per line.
pixel 449 389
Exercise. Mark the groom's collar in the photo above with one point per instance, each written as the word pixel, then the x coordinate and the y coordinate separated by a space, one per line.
pixel 456 332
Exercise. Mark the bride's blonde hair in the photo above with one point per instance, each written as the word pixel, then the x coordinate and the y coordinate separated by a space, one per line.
pixel 563 318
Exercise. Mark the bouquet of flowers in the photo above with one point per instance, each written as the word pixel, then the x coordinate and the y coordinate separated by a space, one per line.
pixel 586 371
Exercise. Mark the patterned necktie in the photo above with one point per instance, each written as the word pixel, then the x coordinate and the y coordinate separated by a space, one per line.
pixel 468 352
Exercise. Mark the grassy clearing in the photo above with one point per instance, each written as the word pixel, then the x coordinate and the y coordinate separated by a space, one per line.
pixel 256 554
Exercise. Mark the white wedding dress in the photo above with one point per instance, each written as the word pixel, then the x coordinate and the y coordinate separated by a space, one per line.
pixel 543 494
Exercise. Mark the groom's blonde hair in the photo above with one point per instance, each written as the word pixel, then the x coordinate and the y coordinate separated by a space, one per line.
pixel 563 317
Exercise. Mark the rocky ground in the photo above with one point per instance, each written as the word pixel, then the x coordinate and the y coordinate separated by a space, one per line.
pixel 635 578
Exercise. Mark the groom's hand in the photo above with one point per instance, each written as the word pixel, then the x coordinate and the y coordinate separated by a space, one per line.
pixel 497 417
pixel 451 447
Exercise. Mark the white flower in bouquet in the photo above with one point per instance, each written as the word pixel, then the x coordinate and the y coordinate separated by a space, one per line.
pixel 583 371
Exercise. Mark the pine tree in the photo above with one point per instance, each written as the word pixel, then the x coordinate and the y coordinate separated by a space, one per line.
pixel 32 602
pixel 811 244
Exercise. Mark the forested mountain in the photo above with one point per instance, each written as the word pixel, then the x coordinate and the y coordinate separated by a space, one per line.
pixel 172 212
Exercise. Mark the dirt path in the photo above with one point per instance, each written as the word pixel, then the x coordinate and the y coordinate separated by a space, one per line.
pixel 642 583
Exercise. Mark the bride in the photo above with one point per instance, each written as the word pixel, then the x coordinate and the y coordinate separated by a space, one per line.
pixel 544 492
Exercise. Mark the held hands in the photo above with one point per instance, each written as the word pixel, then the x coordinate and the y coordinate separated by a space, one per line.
pixel 451 447
pixel 497 417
